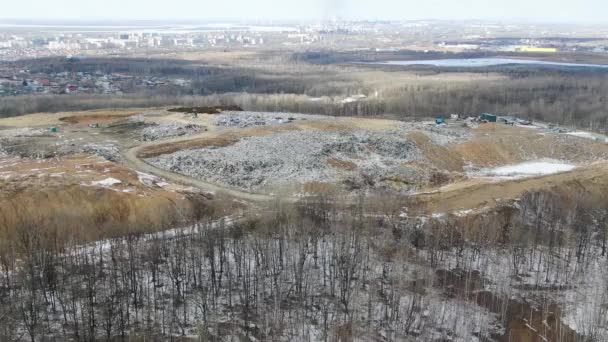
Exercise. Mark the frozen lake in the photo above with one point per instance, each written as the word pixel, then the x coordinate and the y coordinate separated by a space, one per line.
pixel 486 62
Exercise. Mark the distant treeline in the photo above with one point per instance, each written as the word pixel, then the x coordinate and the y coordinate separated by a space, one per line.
pixel 332 57
pixel 577 98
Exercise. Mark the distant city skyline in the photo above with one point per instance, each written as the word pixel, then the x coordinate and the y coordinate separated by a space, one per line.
pixel 581 11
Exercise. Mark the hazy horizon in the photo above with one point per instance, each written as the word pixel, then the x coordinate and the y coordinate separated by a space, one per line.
pixel 585 11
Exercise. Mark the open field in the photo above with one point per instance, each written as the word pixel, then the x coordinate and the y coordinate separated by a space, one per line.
pixel 55 119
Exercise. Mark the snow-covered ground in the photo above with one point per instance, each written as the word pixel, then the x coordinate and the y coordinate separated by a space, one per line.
pixel 107 182
pixel 589 135
pixel 527 169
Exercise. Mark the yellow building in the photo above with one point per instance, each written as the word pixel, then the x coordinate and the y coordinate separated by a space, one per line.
pixel 536 49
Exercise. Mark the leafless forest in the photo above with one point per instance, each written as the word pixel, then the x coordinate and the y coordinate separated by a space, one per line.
pixel 319 271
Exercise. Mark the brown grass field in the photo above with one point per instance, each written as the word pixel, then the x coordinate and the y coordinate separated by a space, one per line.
pixel 55 119
pixel 59 196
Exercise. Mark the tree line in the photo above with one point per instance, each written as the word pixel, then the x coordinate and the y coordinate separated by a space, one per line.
pixel 577 98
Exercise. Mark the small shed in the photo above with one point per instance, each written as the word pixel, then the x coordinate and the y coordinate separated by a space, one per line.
pixel 488 117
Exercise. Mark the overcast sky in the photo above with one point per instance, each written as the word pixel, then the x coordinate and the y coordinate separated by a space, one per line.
pixel 545 10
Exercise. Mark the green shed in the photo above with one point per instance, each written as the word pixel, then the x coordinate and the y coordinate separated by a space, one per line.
pixel 488 117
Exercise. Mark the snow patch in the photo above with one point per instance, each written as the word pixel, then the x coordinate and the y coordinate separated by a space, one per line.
pixel 528 169
pixel 354 98
pixel 528 126
pixel 107 182
pixel 588 135
pixel 151 180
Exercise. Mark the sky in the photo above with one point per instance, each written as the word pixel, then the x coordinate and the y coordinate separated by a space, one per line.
pixel 580 11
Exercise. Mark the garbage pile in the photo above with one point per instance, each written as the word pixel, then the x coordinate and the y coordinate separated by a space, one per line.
pixel 168 130
pixel 250 119
pixel 293 156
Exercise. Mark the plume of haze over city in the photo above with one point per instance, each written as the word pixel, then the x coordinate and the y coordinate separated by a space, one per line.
pixel 583 11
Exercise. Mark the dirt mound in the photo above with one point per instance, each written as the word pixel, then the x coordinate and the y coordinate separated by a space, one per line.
pixel 496 144
pixel 80 213
pixel 342 164
pixel 53 119
pixel 211 140
pixel 438 156
pixel 478 193
pixel 84 198
pixel 206 110
pixel 93 118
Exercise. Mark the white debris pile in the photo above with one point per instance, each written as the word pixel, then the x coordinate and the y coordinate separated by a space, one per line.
pixel 169 130
pixel 24 133
pixel 249 119
pixel 295 156
pixel 9 138
pixel 107 150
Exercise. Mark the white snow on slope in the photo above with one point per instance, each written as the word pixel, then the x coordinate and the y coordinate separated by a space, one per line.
pixel 589 135
pixel 582 134
pixel 107 182
pixel 529 169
